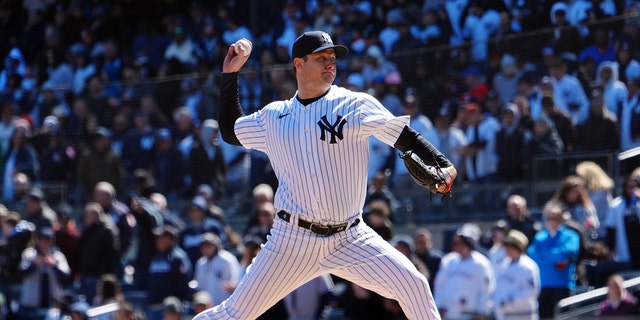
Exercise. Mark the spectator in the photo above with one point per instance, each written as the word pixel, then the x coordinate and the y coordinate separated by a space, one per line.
pixel 17 234
pixel 169 272
pixel 529 89
pixel 600 131
pixel 630 119
pixel 98 103
pixel 78 310
pixel 172 308
pixel 619 301
pixel 479 26
pixel 38 212
pixel 474 84
pixel 192 98
pixel 568 93
pixel 555 250
pixel 108 291
pixel 497 252
pixel 427 30
pixel 148 217
pixel 625 59
pixel 67 234
pixel 126 311
pixel 614 91
pixel 512 146
pixel 22 157
pixel 45 104
pixel 425 251
pixel 217 269
pixel 519 217
pixel 406 246
pixel 56 157
pixel 406 44
pixel 206 159
pixel 481 160
pixel 82 66
pixel 517 281
pixel 105 195
pixel 150 45
pixel 599 187
pixel 198 223
pixel 623 229
pixel 571 193
pixel 96 251
pixel 181 48
pixel 201 301
pixel 308 301
pixel 601 50
pixel 167 214
pixel 449 139
pixel 209 50
pixel 138 146
pixel 44 269
pixel 6 127
pixel 561 121
pixel 168 165
pixel 505 82
pixel 377 216
pixel 376 66
pixel 467 268
pixel 99 163
pixel 216 212
pixel 379 190
pixel 265 215
pixel 546 140
pixel 480 153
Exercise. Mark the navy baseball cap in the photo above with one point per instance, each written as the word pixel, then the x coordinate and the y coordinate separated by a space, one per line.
pixel 315 41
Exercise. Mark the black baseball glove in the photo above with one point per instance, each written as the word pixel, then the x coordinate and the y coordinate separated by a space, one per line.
pixel 433 178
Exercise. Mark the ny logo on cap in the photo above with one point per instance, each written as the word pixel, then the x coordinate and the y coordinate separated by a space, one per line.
pixel 326 38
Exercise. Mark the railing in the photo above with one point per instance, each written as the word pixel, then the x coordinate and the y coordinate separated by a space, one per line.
pixel 585 305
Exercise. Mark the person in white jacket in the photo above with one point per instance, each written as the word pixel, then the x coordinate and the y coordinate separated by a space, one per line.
pixel 517 281
pixel 217 269
pixel 465 282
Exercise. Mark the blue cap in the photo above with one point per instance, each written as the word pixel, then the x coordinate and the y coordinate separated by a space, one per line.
pixel 45 232
pixel 315 41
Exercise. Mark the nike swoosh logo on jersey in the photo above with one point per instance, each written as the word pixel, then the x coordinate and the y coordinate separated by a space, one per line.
pixel 283 115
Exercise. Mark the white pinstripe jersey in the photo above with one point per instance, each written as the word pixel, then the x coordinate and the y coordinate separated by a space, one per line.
pixel 320 152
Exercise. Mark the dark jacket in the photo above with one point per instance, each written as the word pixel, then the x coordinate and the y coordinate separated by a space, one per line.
pixel 96 251
pixel 169 275
pixel 204 170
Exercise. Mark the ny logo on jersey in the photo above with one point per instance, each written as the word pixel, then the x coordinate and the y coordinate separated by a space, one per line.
pixel 335 129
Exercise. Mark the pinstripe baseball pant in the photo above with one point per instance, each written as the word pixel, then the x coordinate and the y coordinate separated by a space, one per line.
pixel 293 256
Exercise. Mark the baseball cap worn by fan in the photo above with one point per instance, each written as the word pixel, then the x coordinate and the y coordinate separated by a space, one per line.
pixel 316 41
pixel 517 240
pixel 470 233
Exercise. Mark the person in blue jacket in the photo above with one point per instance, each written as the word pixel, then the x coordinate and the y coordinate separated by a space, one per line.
pixel 555 250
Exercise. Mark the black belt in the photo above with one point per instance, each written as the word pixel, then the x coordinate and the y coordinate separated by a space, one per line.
pixel 319 229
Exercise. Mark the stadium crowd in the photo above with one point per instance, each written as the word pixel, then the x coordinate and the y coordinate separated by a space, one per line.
pixel 116 101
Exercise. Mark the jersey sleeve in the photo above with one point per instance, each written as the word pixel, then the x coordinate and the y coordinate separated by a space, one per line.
pixel 250 131
pixel 380 122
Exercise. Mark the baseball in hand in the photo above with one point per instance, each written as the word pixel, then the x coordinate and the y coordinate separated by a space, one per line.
pixel 244 45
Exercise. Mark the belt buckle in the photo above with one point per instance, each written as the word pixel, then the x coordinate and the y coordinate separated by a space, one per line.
pixel 314 227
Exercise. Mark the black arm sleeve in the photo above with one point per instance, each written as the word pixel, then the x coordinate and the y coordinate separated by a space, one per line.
pixel 410 139
pixel 229 110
